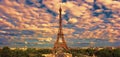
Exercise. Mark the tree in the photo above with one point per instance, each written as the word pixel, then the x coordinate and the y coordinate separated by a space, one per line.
pixel 0 52
pixel 116 53
pixel 17 53
pixel 90 52
pixel 104 53
pixel 6 52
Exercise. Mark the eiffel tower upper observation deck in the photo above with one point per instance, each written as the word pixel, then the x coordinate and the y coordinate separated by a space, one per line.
pixel 60 42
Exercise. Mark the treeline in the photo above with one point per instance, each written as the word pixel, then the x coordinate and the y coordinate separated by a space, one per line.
pixel 106 52
pixel 32 52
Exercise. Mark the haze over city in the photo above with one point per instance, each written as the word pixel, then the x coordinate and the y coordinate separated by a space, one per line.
pixel 34 23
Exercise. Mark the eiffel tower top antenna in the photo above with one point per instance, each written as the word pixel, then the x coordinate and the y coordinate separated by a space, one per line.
pixel 60 20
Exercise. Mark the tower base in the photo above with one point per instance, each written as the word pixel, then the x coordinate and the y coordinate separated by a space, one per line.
pixel 58 55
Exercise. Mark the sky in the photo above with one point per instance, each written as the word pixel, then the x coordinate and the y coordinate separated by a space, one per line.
pixel 34 23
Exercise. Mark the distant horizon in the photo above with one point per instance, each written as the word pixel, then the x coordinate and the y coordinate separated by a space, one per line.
pixel 83 43
pixel 69 47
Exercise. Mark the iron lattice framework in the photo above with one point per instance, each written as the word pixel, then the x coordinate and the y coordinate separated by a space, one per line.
pixel 60 36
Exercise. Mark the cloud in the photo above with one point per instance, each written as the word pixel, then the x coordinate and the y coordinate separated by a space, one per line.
pixel 74 9
pixel 73 20
pixel 43 18
pixel 45 39
pixel 89 1
pixel 4 23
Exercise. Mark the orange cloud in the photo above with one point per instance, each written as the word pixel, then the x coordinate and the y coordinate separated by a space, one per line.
pixel 29 17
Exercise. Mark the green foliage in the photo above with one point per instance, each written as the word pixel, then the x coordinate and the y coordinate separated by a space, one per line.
pixel 19 53
pixel 116 53
pixel 0 52
pixel 32 52
pixel 77 52
pixel 108 53
pixel 44 51
pixel 104 53
pixel 90 52
pixel 6 52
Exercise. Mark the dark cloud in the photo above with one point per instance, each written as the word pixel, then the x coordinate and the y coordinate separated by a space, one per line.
pixel 64 1
pixel 51 12
pixel 27 32
pixel 29 2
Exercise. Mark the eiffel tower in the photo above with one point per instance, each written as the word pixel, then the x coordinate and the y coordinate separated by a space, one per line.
pixel 60 42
